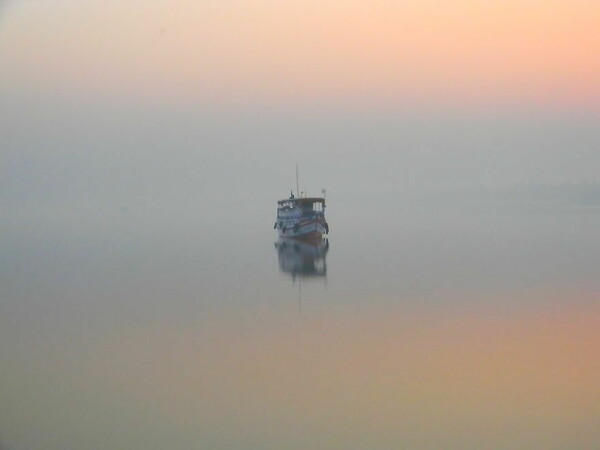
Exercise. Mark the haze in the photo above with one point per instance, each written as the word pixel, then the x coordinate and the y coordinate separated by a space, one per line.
pixel 107 100
pixel 143 147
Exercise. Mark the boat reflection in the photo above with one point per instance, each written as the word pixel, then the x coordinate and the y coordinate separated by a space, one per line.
pixel 302 259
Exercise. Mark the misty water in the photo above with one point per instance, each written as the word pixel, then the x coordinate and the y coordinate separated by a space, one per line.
pixel 421 323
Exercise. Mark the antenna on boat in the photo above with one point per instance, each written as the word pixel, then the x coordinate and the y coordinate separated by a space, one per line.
pixel 297 189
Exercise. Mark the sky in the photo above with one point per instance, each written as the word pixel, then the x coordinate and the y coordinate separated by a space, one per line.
pixel 423 52
pixel 110 100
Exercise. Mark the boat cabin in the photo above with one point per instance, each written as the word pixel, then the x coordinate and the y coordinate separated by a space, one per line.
pixel 307 206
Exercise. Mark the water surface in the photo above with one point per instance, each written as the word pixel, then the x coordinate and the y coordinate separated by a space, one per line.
pixel 434 325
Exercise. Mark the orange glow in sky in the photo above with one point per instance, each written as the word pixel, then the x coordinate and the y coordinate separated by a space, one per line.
pixel 424 51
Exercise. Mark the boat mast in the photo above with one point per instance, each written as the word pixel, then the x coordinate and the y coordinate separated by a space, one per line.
pixel 297 190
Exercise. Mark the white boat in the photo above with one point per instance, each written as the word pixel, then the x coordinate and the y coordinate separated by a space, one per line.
pixel 301 218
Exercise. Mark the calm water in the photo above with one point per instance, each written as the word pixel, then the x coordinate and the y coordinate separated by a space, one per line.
pixel 431 326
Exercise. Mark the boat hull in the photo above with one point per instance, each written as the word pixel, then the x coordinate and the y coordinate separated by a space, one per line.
pixel 312 229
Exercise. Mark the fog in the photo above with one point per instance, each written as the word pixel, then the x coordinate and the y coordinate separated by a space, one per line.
pixel 183 109
pixel 113 156
pixel 143 147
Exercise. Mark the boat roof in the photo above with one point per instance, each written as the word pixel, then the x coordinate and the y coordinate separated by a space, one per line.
pixel 303 200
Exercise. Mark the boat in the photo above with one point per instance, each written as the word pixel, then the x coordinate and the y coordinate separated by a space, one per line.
pixel 301 218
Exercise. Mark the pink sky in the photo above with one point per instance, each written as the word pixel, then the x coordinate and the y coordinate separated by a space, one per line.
pixel 431 52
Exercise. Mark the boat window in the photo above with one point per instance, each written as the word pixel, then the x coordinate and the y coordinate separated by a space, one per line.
pixel 286 206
